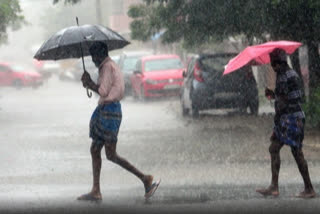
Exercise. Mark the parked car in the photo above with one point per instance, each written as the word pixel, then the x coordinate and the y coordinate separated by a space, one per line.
pixel 115 58
pixel 49 68
pixel 75 72
pixel 127 64
pixel 19 76
pixel 157 75
pixel 204 86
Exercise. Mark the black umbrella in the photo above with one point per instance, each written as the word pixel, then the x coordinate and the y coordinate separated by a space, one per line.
pixel 75 41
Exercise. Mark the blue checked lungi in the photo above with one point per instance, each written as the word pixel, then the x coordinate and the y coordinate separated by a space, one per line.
pixel 105 123
pixel 290 130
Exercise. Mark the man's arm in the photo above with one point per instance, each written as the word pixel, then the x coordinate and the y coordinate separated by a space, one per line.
pixel 94 87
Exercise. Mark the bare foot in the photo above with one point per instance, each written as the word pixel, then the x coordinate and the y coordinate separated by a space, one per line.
pixel 307 194
pixel 272 191
pixel 90 197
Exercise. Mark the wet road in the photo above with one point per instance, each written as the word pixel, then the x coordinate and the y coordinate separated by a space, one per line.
pixel 213 163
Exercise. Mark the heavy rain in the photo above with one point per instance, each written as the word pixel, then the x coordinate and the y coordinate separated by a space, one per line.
pixel 204 133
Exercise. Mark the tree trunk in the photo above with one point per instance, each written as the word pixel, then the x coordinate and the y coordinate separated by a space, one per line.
pixel 314 66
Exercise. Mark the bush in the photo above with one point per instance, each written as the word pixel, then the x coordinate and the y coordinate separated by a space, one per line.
pixel 312 109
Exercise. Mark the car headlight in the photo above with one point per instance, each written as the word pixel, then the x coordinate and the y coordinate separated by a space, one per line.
pixel 152 82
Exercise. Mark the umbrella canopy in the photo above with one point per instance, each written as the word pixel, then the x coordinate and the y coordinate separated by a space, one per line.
pixel 259 54
pixel 65 44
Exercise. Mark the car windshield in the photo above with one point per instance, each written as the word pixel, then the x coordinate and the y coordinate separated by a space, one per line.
pixel 115 59
pixel 163 64
pixel 129 63
pixel 87 62
pixel 216 63
pixel 17 68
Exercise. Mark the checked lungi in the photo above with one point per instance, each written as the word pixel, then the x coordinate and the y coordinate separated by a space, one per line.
pixel 105 123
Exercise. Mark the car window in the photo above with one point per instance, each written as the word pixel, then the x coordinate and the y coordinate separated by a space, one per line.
pixel 88 64
pixel 129 63
pixel 18 68
pixel 115 58
pixel 138 65
pixel 162 64
pixel 3 68
pixel 216 63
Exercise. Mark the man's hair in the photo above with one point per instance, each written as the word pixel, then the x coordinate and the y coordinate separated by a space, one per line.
pixel 278 55
pixel 99 49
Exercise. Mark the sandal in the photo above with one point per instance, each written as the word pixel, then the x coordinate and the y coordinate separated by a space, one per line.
pixel 89 197
pixel 150 190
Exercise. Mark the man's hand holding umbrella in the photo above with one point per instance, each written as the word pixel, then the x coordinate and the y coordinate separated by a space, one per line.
pixel 269 94
pixel 87 82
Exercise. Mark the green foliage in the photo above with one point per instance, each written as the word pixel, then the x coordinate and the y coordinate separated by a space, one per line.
pixel 140 32
pixel 199 22
pixel 137 11
pixel 312 109
pixel 146 20
pixel 9 16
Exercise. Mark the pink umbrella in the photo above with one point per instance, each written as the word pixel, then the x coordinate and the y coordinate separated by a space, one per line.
pixel 259 54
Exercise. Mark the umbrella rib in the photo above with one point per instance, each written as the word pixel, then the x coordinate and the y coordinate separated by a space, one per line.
pixel 58 48
pixel 98 30
pixel 110 30
pixel 119 38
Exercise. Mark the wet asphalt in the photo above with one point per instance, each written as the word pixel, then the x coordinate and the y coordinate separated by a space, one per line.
pixel 210 164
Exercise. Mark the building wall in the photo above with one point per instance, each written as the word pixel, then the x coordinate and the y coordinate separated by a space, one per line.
pixel 118 19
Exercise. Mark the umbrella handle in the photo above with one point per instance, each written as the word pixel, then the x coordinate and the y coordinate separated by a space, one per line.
pixel 89 93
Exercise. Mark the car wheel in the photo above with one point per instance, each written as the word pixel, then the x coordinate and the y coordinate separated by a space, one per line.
pixel 194 112
pixel 142 96
pixel 184 110
pixel 254 107
pixel 194 109
pixel 17 84
pixel 243 108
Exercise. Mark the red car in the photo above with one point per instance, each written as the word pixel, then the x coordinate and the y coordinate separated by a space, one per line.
pixel 17 76
pixel 157 75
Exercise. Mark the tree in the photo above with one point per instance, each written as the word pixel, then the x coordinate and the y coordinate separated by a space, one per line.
pixel 9 17
pixel 195 21
pixel 199 22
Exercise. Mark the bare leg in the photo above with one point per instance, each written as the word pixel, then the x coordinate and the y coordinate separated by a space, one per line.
pixel 303 168
pixel 112 155
pixel 274 150
pixel 95 193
